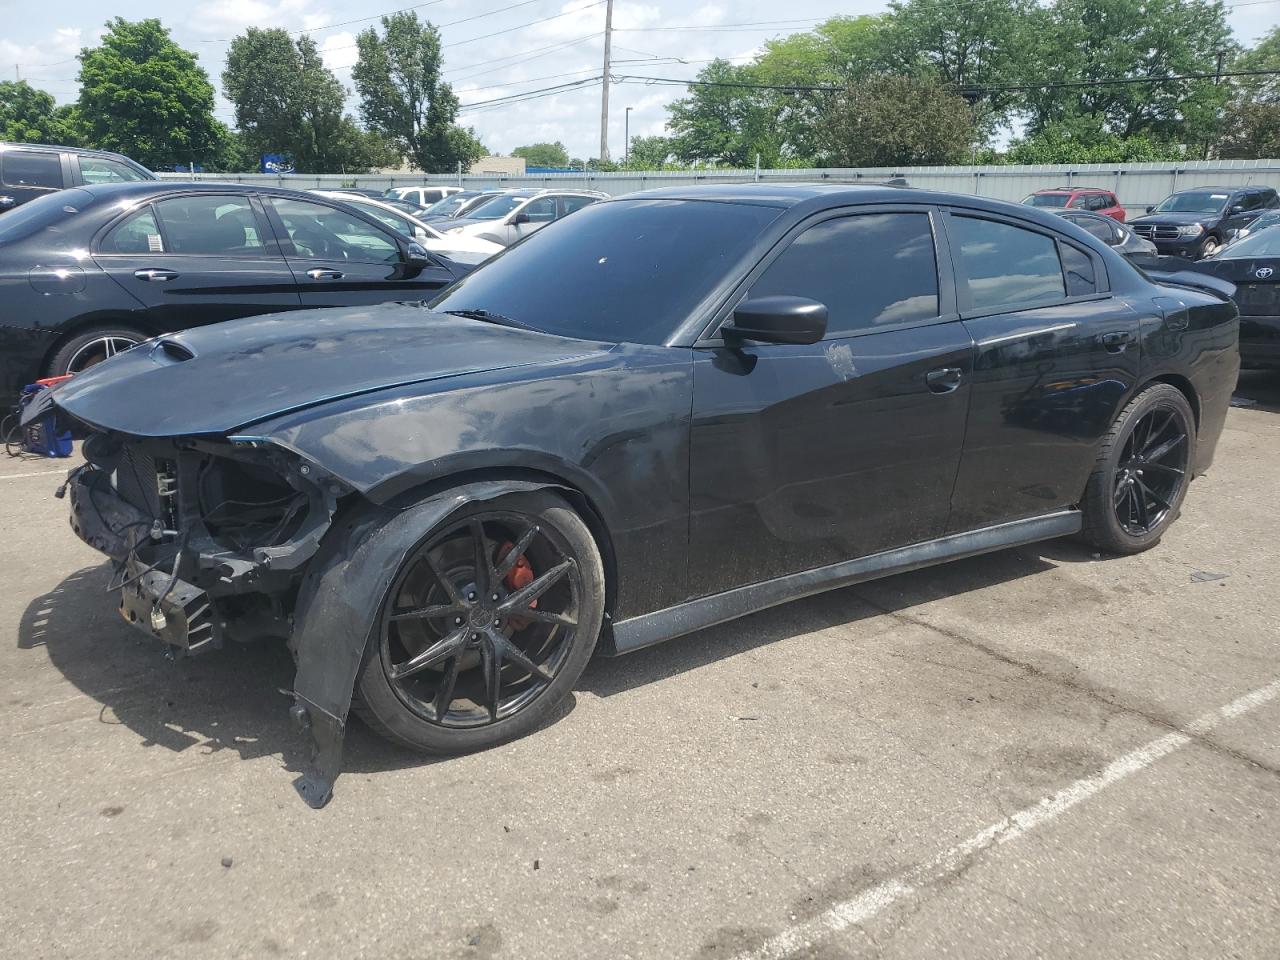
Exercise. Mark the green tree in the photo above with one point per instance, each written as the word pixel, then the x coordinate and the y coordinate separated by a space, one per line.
pixel 465 145
pixel 28 115
pixel 144 96
pixel 1083 41
pixel 1252 118
pixel 402 96
pixel 891 121
pixel 543 154
pixel 1084 140
pixel 724 121
pixel 287 101
pixel 648 153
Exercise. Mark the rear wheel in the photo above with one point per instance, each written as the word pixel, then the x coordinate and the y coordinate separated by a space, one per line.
pixel 90 347
pixel 486 627
pixel 1142 472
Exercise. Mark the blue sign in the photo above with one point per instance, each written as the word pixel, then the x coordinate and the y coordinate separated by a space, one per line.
pixel 275 163
pixel 188 168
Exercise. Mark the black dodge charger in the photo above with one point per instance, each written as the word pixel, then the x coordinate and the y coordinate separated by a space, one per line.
pixel 666 411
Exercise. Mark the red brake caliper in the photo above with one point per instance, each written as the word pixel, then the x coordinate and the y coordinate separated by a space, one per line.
pixel 519 577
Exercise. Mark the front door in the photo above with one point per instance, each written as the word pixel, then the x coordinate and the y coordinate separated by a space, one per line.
pixel 537 213
pixel 1056 357
pixel 197 259
pixel 803 456
pixel 340 258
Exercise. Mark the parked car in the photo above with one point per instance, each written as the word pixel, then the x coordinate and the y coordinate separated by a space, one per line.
pixel 757 395
pixel 29 170
pixel 422 196
pixel 1196 222
pixel 1253 265
pixel 1088 199
pixel 462 249
pixel 1120 238
pixel 96 269
pixel 456 204
pixel 1268 219
pixel 513 215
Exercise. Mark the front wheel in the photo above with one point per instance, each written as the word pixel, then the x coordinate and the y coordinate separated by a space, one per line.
pixel 1209 247
pixel 486 627
pixel 1142 471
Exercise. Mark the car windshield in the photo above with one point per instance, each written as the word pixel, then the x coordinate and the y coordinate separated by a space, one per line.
pixel 1264 243
pixel 1048 199
pixel 498 207
pixel 43 213
pixel 1193 201
pixel 625 271
pixel 442 208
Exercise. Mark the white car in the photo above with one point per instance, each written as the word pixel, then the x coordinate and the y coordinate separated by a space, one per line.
pixel 462 248
pixel 422 196
pixel 517 213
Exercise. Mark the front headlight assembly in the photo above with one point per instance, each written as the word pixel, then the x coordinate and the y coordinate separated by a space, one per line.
pixel 1191 230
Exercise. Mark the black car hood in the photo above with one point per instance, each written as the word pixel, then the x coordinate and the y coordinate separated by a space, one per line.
pixel 217 379
pixel 1178 219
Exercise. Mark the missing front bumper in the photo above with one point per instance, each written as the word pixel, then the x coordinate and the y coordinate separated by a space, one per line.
pixel 168 609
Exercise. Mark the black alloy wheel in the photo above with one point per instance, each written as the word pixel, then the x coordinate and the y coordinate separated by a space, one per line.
pixel 1143 469
pixel 489 622
pixel 1152 471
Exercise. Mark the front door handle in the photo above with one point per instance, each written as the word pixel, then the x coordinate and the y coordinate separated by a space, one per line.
pixel 319 274
pixel 153 275
pixel 1117 340
pixel 944 379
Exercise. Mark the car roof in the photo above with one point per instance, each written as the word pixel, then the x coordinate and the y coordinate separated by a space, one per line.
pixel 1071 190
pixel 56 148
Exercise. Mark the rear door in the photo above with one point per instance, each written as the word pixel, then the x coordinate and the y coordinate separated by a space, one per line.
pixel 1056 356
pixel 194 259
pixel 339 257
pixel 27 174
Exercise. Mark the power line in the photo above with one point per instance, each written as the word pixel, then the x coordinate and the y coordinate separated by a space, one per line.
pixel 518 58
pixel 532 94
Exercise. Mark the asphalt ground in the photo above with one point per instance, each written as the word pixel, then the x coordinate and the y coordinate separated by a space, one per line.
pixel 1037 753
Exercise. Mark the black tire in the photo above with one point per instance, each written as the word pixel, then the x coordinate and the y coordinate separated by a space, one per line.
pixel 1208 246
pixel 1128 485
pixel 394 708
pixel 92 345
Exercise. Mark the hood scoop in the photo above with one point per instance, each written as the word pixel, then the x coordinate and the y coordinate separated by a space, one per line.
pixel 171 351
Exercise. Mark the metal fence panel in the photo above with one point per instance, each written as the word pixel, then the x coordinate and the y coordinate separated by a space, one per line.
pixel 1137 184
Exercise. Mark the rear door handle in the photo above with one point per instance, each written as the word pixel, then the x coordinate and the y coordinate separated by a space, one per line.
pixel 1117 340
pixel 155 276
pixel 319 274
pixel 944 379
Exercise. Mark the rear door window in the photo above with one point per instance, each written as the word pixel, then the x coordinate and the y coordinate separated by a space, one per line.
pixel 1006 266
pixel 105 170
pixel 31 168
pixel 136 234
pixel 210 225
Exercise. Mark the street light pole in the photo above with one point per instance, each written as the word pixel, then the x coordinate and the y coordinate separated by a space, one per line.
pixel 626 133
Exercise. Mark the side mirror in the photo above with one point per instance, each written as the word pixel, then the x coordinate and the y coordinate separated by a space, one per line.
pixel 519 218
pixel 1236 208
pixel 415 255
pixel 1149 209
pixel 777 320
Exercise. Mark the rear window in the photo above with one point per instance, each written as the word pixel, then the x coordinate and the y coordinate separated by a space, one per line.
pixel 29 168
pixel 1047 199
pixel 1007 265
pixel 49 212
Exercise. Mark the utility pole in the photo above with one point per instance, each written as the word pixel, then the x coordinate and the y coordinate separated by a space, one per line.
pixel 604 89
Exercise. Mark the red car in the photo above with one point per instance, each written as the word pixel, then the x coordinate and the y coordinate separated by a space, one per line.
pixel 1092 199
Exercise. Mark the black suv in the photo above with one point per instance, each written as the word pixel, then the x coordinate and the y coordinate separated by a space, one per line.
pixel 30 170
pixel 1196 222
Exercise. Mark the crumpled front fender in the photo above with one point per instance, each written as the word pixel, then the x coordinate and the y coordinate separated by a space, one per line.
pixel 336 615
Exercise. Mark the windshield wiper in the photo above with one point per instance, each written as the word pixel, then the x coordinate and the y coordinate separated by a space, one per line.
pixel 489 316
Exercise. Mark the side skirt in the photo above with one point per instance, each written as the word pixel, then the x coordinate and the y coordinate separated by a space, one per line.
pixel 644 631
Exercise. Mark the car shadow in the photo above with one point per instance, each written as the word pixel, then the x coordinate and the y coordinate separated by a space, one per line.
pixel 1259 389
pixel 237 698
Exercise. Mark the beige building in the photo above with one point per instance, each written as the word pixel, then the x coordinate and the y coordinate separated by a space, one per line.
pixel 503 166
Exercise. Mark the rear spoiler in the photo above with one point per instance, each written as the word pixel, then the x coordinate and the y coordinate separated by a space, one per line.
pixel 1178 272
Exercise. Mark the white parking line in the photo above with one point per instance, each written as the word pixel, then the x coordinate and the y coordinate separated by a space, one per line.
pixel 950 862
pixel 39 473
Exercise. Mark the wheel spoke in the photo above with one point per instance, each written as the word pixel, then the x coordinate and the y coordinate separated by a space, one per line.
pixel 514 654
pixel 483 557
pixel 1122 491
pixel 1165 467
pixel 548 616
pixel 518 603
pixel 508 562
pixel 491 664
pixel 1153 432
pixel 1144 517
pixel 1162 451
pixel 1155 496
pixel 444 696
pixel 429 657
pixel 454 596
pixel 429 613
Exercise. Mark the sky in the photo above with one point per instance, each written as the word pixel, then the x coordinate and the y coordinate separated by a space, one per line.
pixel 492 49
